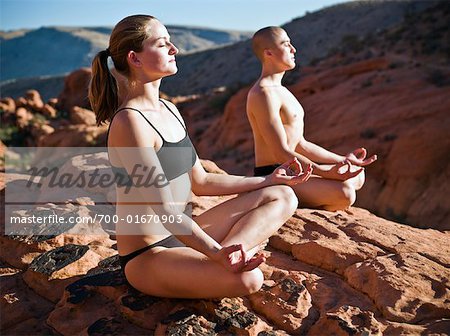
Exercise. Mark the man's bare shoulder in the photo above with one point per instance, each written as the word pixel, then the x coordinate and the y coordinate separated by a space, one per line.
pixel 261 94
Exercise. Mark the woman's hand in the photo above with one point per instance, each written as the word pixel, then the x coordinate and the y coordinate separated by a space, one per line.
pixel 358 157
pixel 234 259
pixel 290 173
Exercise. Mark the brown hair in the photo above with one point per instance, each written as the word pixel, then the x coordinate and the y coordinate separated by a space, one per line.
pixel 129 34
pixel 263 39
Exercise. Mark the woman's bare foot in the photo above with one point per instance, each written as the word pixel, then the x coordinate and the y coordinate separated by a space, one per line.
pixel 257 248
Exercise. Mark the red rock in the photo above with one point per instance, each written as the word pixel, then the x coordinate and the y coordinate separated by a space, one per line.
pixel 230 135
pixel 189 325
pixel 41 131
pixel 348 320
pixel 23 117
pixel 8 105
pixel 20 102
pixel 3 149
pixel 53 102
pixel 34 100
pixel 82 315
pixel 48 278
pixel 83 116
pixel 49 111
pixel 19 303
pixel 74 136
pixel 287 304
pixel 151 311
pixel 406 287
pixel 75 92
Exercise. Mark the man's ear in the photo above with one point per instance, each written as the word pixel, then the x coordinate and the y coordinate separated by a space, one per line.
pixel 267 52
pixel 133 59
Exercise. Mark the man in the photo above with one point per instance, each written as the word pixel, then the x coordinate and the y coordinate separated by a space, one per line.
pixel 276 118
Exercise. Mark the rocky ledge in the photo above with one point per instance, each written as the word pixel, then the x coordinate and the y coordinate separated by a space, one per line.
pixel 327 273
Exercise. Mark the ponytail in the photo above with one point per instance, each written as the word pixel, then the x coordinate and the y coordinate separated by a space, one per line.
pixel 103 90
pixel 129 34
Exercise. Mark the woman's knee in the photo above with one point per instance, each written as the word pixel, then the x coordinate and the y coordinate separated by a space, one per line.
pixel 285 195
pixel 251 281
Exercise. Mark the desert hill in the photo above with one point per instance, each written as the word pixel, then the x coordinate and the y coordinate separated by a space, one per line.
pixel 58 50
pixel 314 35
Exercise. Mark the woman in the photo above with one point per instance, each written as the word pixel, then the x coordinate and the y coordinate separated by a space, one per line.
pixel 217 254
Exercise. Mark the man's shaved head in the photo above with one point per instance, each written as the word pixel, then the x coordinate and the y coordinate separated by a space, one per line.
pixel 265 38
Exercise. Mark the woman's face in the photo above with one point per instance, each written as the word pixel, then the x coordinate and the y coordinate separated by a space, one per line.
pixel 157 58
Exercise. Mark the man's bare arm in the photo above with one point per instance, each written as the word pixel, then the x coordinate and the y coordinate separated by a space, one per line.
pixel 267 117
pixel 320 154
pixel 316 153
pixel 267 107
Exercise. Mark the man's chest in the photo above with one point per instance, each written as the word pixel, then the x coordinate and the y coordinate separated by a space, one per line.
pixel 291 111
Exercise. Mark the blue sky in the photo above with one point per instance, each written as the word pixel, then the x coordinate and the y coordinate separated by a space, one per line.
pixel 224 14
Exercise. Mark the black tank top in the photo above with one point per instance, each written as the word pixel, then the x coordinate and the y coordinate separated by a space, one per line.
pixel 172 169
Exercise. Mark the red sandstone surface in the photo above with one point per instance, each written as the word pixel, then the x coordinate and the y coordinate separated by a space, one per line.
pixel 342 273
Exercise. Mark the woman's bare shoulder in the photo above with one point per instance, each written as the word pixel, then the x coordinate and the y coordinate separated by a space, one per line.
pixel 128 128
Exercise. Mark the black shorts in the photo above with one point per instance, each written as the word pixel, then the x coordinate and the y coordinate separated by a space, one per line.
pixel 265 170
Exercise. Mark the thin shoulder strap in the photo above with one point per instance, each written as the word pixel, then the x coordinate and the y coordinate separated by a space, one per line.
pixel 165 104
pixel 130 108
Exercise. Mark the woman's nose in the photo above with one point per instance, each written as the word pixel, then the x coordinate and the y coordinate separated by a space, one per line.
pixel 173 50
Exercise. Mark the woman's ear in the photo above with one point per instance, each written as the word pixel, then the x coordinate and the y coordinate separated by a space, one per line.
pixel 133 59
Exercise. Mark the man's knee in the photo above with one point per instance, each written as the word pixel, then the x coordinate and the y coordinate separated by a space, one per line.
pixel 348 195
pixel 345 198
pixel 358 181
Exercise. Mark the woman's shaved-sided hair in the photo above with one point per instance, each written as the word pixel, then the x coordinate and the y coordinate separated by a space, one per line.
pixel 264 39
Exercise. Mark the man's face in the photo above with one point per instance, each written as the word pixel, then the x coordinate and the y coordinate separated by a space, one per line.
pixel 282 52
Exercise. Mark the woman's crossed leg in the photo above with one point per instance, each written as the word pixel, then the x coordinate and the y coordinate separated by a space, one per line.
pixel 249 219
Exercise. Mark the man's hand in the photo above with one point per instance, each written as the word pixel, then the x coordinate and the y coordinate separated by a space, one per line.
pixel 290 173
pixel 358 157
pixel 341 171
pixel 234 259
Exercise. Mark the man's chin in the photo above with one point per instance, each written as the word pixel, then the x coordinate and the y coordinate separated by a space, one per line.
pixel 291 66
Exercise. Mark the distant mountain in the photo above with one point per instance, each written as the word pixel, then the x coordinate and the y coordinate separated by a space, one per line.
pixel 314 35
pixel 58 50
